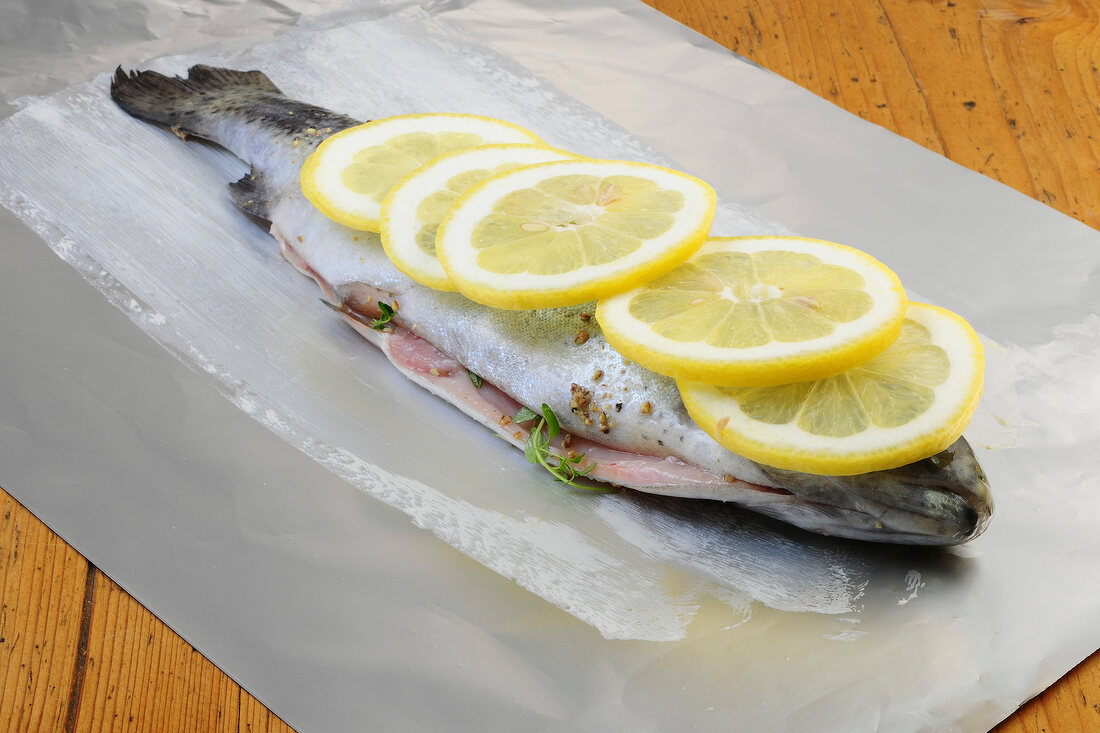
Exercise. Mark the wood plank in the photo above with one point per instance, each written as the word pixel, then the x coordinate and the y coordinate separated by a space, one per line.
pixel 1071 705
pixel 255 718
pixel 127 672
pixel 42 586
pixel 142 676
pixel 180 690
pixel 1005 87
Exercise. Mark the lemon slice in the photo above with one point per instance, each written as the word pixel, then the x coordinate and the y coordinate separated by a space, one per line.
pixel 413 209
pixel 349 174
pixel 908 403
pixel 567 232
pixel 759 311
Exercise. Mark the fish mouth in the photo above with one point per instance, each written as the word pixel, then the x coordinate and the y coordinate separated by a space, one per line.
pixel 940 500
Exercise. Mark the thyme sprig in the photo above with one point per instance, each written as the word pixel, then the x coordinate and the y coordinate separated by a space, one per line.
pixel 388 312
pixel 537 450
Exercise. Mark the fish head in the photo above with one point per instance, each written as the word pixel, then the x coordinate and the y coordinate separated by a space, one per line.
pixel 941 500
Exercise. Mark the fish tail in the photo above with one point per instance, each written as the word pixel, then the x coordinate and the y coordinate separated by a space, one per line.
pixel 240 110
pixel 182 104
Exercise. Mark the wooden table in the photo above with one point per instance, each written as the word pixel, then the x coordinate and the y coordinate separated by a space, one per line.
pixel 1005 87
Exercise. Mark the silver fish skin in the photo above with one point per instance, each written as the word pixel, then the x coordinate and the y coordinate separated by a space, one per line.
pixel 534 356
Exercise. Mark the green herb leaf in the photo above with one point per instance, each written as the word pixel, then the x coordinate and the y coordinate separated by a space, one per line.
pixel 387 315
pixel 475 379
pixel 587 470
pixel 551 421
pixel 537 450
pixel 531 448
pixel 525 414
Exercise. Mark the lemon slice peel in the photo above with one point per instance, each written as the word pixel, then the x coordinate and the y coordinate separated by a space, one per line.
pixel 860 443
pixel 410 212
pixel 350 172
pixel 735 302
pixel 567 232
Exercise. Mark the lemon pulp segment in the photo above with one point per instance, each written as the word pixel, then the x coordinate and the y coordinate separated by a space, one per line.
pixel 759 311
pixel 566 232
pixel 414 208
pixel 909 402
pixel 349 174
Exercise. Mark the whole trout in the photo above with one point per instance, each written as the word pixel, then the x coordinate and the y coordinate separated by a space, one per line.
pixel 627 421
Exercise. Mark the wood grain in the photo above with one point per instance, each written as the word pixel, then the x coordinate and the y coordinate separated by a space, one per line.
pixel 1005 87
pixel 42 580
pixel 1008 88
pixel 77 653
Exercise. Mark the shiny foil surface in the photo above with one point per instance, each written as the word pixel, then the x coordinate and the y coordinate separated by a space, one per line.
pixel 177 404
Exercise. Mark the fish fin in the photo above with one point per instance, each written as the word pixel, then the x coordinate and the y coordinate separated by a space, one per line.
pixel 176 102
pixel 252 194
pixel 211 78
